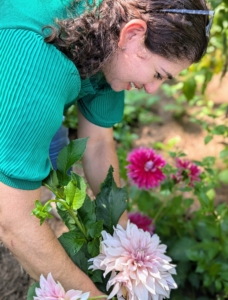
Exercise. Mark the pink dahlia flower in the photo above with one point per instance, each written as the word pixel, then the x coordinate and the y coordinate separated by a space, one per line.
pixel 144 169
pixel 51 290
pixel 187 170
pixel 141 221
pixel 140 269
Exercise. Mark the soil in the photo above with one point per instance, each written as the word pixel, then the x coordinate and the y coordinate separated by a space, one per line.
pixel 14 281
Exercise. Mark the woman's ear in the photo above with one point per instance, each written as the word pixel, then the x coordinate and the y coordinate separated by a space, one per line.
pixel 135 28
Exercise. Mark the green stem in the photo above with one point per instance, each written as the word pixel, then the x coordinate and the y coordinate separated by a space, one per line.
pixel 53 191
pixel 56 201
pixel 158 213
pixel 71 212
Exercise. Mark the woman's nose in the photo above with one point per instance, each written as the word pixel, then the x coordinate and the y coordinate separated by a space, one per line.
pixel 152 87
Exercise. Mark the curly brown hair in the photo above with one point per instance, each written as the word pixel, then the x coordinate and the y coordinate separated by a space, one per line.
pixel 90 40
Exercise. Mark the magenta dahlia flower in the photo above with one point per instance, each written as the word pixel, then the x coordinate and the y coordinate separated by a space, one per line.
pixel 49 289
pixel 144 169
pixel 140 269
pixel 141 221
pixel 187 170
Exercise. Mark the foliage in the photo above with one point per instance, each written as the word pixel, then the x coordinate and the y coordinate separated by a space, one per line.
pixel 84 218
pixel 193 225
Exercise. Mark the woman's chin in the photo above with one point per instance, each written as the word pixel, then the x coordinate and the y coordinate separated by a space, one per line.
pixel 117 88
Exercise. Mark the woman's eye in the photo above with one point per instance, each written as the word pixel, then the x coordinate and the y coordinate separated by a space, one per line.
pixel 158 76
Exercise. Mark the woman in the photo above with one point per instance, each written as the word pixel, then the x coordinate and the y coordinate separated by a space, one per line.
pixel 90 58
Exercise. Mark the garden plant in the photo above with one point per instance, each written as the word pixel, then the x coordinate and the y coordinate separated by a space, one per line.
pixel 171 198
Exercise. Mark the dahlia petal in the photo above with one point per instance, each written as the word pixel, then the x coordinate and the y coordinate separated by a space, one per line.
pixel 150 285
pixel 160 291
pixel 141 292
pixel 115 290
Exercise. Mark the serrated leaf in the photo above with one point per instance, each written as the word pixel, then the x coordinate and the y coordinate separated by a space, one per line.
pixel 70 154
pixel 97 276
pixel 87 211
pixel 72 242
pixel 51 180
pixel 94 247
pixel 95 229
pixel 31 292
pixel 110 202
pixel 75 196
pixel 66 217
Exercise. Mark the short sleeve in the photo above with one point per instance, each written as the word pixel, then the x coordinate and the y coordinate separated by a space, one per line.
pixel 36 82
pixel 105 108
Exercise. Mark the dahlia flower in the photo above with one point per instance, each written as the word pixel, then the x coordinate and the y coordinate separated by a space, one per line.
pixel 145 166
pixel 139 268
pixel 141 221
pixel 187 170
pixel 51 290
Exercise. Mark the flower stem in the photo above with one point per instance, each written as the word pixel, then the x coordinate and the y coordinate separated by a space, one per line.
pixel 71 212
pixel 158 213
pixel 53 191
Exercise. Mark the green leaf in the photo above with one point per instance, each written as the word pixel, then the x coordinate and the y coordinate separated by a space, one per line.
pixel 173 154
pixel 87 211
pixel 72 242
pixel 42 211
pixel 75 245
pixel 66 217
pixel 223 176
pixel 205 201
pixel 110 202
pixel 70 154
pixel 31 291
pixel 145 201
pixel 224 154
pixel 94 247
pixel 179 249
pixel 189 88
pixel 220 130
pixel 97 276
pixel 188 202
pixel 75 195
pixel 95 229
pixel 81 259
pixel 207 139
pixel 51 180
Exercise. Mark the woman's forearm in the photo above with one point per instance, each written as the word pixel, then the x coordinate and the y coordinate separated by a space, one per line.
pixel 34 246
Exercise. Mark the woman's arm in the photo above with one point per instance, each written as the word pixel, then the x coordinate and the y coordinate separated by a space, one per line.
pixel 100 154
pixel 34 246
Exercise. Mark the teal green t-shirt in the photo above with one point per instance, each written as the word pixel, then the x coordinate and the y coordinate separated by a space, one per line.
pixel 37 82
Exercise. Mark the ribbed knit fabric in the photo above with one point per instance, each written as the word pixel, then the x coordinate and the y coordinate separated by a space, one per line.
pixel 36 83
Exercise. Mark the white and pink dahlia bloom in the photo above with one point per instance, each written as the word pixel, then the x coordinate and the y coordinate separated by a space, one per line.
pixel 51 290
pixel 140 269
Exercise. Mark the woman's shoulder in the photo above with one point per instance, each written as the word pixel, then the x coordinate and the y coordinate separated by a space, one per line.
pixel 23 14
pixel 38 65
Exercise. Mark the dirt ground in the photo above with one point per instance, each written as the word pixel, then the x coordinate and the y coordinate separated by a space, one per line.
pixel 14 281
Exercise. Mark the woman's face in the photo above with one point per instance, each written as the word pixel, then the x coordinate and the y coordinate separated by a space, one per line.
pixel 142 68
